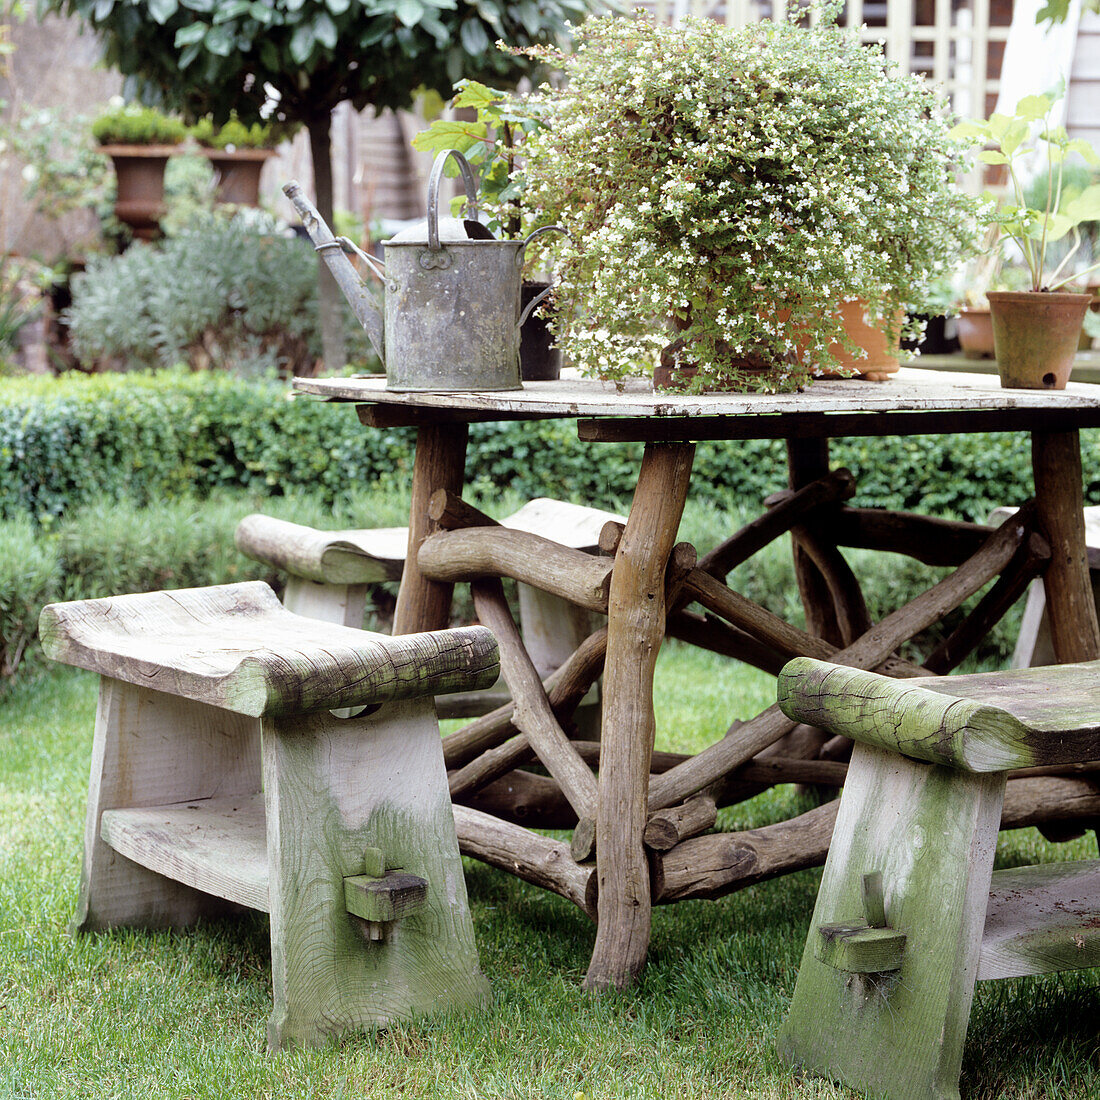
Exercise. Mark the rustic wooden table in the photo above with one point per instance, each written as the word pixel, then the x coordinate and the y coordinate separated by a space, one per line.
pixel 644 813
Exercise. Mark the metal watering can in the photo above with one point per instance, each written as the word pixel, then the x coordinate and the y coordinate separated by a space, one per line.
pixel 452 312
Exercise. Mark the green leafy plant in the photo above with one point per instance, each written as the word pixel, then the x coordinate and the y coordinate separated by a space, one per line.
pixel 1050 215
pixel 221 293
pixel 492 142
pixel 743 182
pixel 132 124
pixel 234 134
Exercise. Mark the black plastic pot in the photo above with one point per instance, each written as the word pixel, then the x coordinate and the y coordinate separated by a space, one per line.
pixel 539 360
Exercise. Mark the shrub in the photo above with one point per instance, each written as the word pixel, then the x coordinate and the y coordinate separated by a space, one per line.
pixel 224 293
pixel 28 579
pixel 234 133
pixel 143 438
pixel 133 124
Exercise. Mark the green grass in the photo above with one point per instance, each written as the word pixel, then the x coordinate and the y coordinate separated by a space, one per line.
pixel 177 1015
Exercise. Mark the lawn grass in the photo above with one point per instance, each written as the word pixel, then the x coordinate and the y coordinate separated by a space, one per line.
pixel 134 1014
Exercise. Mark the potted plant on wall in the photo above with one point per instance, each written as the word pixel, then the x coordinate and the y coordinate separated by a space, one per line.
pixel 139 140
pixel 1036 331
pixel 492 142
pixel 744 183
pixel 237 154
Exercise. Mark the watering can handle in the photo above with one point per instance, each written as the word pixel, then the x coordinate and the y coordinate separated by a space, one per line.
pixel 468 179
pixel 529 308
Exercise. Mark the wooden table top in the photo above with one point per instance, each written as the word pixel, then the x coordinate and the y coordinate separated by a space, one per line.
pixel 911 401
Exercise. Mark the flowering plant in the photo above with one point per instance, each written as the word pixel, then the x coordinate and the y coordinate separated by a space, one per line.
pixel 1038 217
pixel 743 182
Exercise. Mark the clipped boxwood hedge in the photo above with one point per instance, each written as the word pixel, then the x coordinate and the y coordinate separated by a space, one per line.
pixel 144 438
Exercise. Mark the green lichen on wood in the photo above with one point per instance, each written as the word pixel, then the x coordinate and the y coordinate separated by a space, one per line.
pixel 935 720
pixel 932 832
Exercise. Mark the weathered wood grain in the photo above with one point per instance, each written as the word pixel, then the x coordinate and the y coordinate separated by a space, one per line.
pixel 849 610
pixel 533 858
pixel 424 604
pixel 776 635
pixel 987 722
pixel 872 649
pixel 808 461
pixel 1042 919
pixel 327 557
pixel 216 845
pixel 478 553
pixel 1030 560
pixel 565 688
pixel 532 713
pixel 1071 606
pixel 213 754
pixel 667 828
pixel 932 833
pixel 835 486
pixel 714 865
pixel 334 790
pixel 928 539
pixel 236 647
pixel 635 630
pixel 913 400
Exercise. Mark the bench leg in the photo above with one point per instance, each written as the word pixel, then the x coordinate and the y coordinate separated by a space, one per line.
pixel 932 833
pixel 344 796
pixel 153 749
pixel 345 604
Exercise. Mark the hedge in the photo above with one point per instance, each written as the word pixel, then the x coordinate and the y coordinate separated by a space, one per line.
pixel 145 438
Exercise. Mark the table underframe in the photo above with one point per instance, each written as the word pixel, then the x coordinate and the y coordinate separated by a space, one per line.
pixel 645 815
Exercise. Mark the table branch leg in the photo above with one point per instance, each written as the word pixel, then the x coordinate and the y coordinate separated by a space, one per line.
pixel 1056 462
pixel 439 464
pixel 635 629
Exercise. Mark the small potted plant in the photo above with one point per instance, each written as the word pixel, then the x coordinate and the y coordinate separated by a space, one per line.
pixel 139 140
pixel 492 141
pixel 237 154
pixel 746 183
pixel 1036 331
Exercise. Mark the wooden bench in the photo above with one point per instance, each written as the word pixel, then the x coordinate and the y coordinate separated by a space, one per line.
pixel 329 574
pixel 221 777
pixel 910 912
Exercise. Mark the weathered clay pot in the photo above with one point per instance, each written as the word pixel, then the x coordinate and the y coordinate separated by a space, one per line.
pixel 976 333
pixel 1035 335
pixel 882 352
pixel 139 175
pixel 237 174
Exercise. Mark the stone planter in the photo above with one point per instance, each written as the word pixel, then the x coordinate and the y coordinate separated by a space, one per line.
pixel 237 174
pixel 139 175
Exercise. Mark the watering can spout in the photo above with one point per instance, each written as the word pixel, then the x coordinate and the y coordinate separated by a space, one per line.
pixel 347 278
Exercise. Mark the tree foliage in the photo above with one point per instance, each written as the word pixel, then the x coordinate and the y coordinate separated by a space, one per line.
pixel 218 56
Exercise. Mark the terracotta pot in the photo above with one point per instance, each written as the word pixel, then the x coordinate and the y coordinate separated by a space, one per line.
pixel 976 333
pixel 1035 336
pixel 139 174
pixel 539 360
pixel 237 174
pixel 882 352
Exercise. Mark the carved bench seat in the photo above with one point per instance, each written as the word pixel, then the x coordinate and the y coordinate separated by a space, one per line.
pixel 910 912
pixel 222 777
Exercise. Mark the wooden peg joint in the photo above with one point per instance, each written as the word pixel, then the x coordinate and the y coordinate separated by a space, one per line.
pixel 380 900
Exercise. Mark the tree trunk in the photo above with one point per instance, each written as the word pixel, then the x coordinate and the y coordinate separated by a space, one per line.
pixel 333 348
